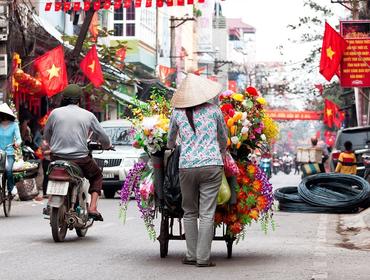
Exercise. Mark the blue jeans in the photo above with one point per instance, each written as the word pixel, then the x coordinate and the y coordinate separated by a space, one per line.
pixel 9 171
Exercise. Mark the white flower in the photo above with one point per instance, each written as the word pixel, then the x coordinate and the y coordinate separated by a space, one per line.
pixel 235 140
pixel 244 116
pixel 246 123
pixel 244 130
pixel 263 137
pixel 150 122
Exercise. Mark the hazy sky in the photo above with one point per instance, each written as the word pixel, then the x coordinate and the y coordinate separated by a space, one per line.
pixel 270 18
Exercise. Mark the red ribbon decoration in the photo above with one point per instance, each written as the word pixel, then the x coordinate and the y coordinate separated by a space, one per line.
pixel 67 6
pixel 148 3
pixel 87 6
pixel 159 3
pixel 117 4
pixel 137 3
pixel 76 6
pixel 58 6
pixel 127 4
pixel 107 4
pixel 96 6
pixel 48 6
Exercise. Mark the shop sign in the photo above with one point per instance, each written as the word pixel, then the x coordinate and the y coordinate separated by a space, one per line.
pixel 355 67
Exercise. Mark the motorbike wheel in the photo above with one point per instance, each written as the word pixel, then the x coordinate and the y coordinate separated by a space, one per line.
pixel 58 223
pixel 81 232
pixel 5 198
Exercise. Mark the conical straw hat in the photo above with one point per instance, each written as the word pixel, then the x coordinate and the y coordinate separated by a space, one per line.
pixel 195 90
pixel 4 108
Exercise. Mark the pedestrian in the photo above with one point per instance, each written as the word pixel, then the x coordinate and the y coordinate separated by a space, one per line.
pixel 296 165
pixel 347 160
pixel 10 138
pixel 202 133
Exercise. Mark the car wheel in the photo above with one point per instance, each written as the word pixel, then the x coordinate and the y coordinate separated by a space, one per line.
pixel 109 193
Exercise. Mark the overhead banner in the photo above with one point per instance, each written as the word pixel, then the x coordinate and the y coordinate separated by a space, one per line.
pixel 355 67
pixel 117 4
pixel 294 115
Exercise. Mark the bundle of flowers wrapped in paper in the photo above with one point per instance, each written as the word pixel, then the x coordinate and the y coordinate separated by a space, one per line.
pixel 249 127
pixel 151 123
pixel 140 181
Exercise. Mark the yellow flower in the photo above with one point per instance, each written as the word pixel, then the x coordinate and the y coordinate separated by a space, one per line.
pixel 271 129
pixel 261 101
pixel 238 97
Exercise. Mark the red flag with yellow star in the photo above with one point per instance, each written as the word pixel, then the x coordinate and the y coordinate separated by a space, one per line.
pixel 91 67
pixel 333 47
pixel 52 70
pixel 330 113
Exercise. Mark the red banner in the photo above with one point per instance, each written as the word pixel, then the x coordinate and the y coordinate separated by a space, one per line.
pixel 294 115
pixel 232 85
pixel 66 6
pixel 355 67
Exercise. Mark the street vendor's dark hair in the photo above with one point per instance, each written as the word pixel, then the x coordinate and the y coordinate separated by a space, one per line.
pixel 348 145
pixel 190 115
pixel 69 101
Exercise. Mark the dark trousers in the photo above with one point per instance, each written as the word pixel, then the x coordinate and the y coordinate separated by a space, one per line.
pixel 45 166
pixel 90 170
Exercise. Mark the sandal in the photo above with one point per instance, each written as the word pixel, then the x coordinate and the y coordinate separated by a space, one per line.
pixel 96 216
pixel 188 262
pixel 210 264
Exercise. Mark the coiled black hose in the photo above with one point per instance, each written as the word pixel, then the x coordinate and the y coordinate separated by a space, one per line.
pixel 334 190
pixel 325 193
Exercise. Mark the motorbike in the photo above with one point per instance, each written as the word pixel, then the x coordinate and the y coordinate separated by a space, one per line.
pixel 275 166
pixel 265 165
pixel 287 166
pixel 69 198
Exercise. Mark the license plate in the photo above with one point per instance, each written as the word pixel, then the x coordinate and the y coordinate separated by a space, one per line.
pixel 108 175
pixel 57 188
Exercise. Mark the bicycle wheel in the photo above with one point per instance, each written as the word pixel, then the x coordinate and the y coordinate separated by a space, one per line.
pixel 6 198
pixel 164 237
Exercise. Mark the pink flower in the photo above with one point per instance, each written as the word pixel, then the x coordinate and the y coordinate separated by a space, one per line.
pixel 252 137
pixel 146 188
pixel 258 130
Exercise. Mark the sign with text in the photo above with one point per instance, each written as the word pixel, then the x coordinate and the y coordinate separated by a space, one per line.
pixel 294 115
pixel 355 67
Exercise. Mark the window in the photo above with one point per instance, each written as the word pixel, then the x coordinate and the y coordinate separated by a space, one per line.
pixel 124 21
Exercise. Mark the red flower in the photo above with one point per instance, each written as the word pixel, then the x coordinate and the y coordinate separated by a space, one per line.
pixel 242 195
pixel 226 108
pixel 218 218
pixel 236 228
pixel 251 91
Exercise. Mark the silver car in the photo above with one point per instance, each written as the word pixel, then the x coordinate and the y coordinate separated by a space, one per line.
pixel 117 163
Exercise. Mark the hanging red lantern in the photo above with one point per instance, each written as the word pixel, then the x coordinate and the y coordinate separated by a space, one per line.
pixel 148 3
pixel 137 3
pixel 159 3
pixel 96 6
pixel 107 4
pixel 117 4
pixel 67 6
pixel 76 6
pixel 169 3
pixel 57 6
pixel 180 2
pixel 87 6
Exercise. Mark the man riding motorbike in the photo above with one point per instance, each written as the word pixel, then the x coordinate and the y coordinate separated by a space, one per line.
pixel 67 131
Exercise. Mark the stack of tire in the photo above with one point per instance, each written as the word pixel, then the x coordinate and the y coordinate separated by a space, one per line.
pixel 325 193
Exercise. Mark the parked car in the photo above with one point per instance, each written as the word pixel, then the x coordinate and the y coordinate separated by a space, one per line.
pixel 117 163
pixel 360 138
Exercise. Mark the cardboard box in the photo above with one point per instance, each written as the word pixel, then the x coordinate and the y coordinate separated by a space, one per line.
pixel 307 155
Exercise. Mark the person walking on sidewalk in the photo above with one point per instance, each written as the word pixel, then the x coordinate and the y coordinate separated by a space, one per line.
pixel 347 160
pixel 10 138
pixel 67 131
pixel 202 133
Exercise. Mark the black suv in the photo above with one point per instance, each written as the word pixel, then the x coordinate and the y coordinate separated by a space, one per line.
pixel 360 138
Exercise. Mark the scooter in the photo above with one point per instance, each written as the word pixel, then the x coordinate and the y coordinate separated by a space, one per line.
pixel 275 166
pixel 265 165
pixel 68 198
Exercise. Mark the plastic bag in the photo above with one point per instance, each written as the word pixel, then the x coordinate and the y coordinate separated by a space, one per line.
pixel 224 193
pixel 231 169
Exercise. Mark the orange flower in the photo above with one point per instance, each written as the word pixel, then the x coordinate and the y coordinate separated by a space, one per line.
pixel 251 169
pixel 261 203
pixel 246 180
pixel 236 228
pixel 254 214
pixel 218 218
pixel 257 185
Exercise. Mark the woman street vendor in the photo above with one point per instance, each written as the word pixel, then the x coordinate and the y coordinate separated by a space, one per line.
pixel 202 134
pixel 10 138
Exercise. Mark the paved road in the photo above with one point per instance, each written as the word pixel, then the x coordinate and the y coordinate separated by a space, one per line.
pixel 303 247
